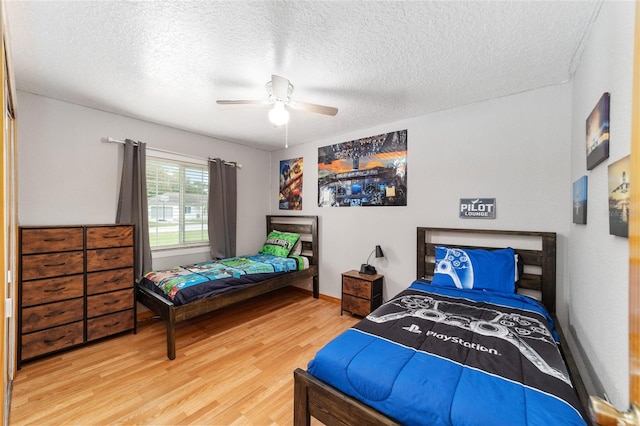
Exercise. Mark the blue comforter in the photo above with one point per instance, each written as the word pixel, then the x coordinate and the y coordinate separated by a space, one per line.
pixel 445 356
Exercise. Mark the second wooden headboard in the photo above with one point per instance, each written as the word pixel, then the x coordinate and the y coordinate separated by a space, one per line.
pixel 536 249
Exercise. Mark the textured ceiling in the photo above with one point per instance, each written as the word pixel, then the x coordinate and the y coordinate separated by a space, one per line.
pixel 168 62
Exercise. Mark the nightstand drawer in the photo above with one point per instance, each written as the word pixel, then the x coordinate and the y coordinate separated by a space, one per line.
pixel 361 293
pixel 356 287
pixel 356 305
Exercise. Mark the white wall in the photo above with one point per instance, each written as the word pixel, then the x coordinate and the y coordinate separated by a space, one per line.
pixel 68 176
pixel 598 262
pixel 515 149
pixel 526 151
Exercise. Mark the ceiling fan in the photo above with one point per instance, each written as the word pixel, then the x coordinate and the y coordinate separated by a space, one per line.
pixel 279 91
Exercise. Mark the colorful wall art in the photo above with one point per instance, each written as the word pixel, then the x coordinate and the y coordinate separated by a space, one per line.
pixel 598 133
pixel 371 171
pixel 619 197
pixel 291 184
pixel 580 201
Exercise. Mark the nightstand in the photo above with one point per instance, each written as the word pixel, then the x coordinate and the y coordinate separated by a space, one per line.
pixel 361 293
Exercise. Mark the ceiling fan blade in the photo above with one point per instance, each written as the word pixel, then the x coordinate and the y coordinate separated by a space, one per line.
pixel 320 109
pixel 241 102
pixel 280 88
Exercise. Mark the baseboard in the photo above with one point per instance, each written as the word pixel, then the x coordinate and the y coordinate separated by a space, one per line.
pixel 321 296
pixel 592 383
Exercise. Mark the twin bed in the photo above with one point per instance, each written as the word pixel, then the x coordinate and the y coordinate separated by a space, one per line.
pixel 459 346
pixel 466 343
pixel 192 290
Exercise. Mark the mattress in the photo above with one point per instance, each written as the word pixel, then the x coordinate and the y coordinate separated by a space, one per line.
pixel 187 283
pixel 446 356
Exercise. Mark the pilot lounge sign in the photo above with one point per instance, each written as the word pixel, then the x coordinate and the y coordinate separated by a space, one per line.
pixel 478 208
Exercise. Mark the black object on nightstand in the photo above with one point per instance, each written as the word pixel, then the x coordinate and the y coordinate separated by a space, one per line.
pixel 361 293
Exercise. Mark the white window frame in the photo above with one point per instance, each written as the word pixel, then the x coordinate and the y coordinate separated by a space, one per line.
pixel 184 248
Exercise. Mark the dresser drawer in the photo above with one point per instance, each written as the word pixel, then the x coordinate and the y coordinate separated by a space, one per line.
pixel 111 258
pixel 45 240
pixel 356 287
pixel 51 265
pixel 107 303
pixel 101 282
pixel 52 314
pixel 109 324
pixel 52 339
pixel 109 236
pixel 52 290
pixel 356 305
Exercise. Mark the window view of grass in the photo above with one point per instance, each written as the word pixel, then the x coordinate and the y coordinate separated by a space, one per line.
pixel 168 234
pixel 177 197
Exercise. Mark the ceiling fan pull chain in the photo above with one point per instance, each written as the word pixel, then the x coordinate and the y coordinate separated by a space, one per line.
pixel 286 135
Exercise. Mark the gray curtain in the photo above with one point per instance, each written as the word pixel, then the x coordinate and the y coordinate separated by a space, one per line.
pixel 132 203
pixel 222 209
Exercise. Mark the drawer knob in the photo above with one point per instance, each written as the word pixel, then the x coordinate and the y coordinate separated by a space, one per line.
pixel 52 290
pixel 112 258
pixel 111 302
pixel 55 264
pixel 54 314
pixel 111 325
pixel 54 239
pixel 110 236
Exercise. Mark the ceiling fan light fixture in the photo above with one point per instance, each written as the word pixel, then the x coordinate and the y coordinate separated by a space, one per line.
pixel 278 115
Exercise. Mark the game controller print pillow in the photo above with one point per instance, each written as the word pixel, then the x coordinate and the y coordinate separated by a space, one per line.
pixel 475 269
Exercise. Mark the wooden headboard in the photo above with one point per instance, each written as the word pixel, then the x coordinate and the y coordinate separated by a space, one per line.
pixel 306 226
pixel 536 249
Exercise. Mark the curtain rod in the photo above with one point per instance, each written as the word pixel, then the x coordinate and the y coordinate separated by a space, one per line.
pixel 228 163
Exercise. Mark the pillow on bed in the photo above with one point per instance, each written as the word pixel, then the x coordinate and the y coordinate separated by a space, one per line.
pixel 279 243
pixel 297 248
pixel 476 269
pixel 519 267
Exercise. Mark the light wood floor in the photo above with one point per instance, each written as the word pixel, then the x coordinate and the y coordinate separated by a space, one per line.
pixel 234 366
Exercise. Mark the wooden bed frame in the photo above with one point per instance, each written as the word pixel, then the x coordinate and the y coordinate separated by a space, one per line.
pixel 306 226
pixel 314 398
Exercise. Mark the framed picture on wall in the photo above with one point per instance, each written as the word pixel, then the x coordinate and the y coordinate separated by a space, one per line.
pixel 619 197
pixel 580 201
pixel 370 171
pixel 290 196
pixel 598 133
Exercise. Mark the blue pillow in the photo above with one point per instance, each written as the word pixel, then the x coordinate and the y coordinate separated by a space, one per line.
pixel 475 269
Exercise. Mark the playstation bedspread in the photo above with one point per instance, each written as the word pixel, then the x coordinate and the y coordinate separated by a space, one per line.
pixel 446 356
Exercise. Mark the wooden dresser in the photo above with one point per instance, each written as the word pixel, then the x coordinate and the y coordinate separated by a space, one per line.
pixel 75 286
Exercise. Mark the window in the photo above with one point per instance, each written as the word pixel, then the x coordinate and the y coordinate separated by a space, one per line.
pixel 177 194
